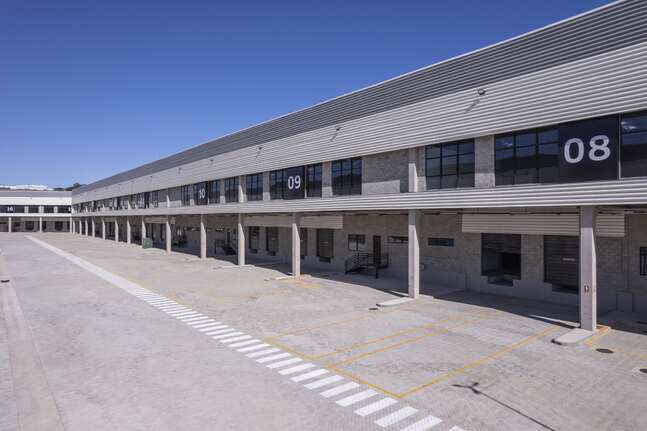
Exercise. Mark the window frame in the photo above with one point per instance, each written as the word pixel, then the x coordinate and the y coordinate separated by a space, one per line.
pixel 347 176
pixel 231 185
pixel 454 151
pixel 254 187
pixel 356 242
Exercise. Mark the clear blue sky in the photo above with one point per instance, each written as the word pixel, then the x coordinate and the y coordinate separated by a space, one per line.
pixel 92 88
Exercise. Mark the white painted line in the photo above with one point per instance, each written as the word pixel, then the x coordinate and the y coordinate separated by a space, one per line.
pixel 189 315
pixel 296 369
pixel 285 363
pixel 174 308
pixel 396 416
pixel 339 390
pixel 214 329
pixel 425 424
pixel 201 323
pixel 180 313
pixel 310 375
pixel 231 340
pixel 262 353
pixel 169 306
pixel 361 396
pixel 375 407
pixel 162 302
pixel 323 382
pixel 456 429
pixel 252 348
pixel 220 331
pixel 206 325
pixel 273 357
pixel 230 334
pixel 244 343
pixel 194 318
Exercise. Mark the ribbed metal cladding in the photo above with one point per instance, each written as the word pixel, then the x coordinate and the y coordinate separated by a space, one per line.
pixel 625 192
pixel 619 25
pixel 605 84
pixel 611 225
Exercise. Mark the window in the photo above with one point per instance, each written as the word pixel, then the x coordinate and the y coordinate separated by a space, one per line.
pixel 29 225
pixel 325 238
pixel 527 157
pixel 633 155
pixel 32 209
pixel 254 238
pixel 501 258
pixel 397 240
pixel 48 209
pixel 450 165
pixel 356 242
pixel 277 184
pixel 185 195
pixel 213 191
pixel 254 187
pixel 313 181
pixel 7 208
pixel 440 242
pixel 272 240
pixel 231 190
pixel 154 198
pixel 200 193
pixel 347 177
pixel 643 260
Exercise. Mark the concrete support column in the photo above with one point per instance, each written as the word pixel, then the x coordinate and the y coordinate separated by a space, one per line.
pixel 296 246
pixel 87 231
pixel 116 230
pixel 143 230
pixel 241 241
pixel 128 230
pixel 203 238
pixel 168 235
pixel 168 198
pixel 9 227
pixel 70 225
pixel 413 170
pixel 94 228
pixel 414 253
pixel 103 229
pixel 588 272
pixel 241 188
pixel 40 224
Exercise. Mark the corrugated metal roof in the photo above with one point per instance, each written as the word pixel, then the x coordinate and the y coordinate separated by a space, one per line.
pixel 34 193
pixel 601 30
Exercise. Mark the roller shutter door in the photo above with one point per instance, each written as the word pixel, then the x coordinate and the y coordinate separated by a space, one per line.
pixel 561 260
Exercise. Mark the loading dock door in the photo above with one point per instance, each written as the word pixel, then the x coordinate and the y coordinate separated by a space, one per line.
pixel 561 260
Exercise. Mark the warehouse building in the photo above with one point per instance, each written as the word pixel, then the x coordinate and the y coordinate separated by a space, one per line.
pixel 517 169
pixel 35 211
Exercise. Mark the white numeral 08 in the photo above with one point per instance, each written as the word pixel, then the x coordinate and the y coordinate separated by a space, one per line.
pixel 597 144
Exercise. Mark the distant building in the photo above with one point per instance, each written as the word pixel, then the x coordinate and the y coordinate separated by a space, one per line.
pixel 35 210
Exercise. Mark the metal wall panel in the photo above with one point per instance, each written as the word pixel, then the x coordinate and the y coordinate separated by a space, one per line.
pixel 602 30
pixel 607 225
pixel 608 83
pixel 323 222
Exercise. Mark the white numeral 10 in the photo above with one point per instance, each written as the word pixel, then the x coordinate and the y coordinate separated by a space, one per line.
pixel 599 149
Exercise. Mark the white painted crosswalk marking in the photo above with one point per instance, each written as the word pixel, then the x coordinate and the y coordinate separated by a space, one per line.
pixel 456 429
pixel 215 329
pixel 273 357
pixel 285 363
pixel 396 416
pixel 252 348
pixel 187 315
pixel 310 375
pixel 262 353
pixel 181 313
pixel 229 334
pixel 231 340
pixel 296 369
pixel 339 390
pixel 323 382
pixel 425 424
pixel 375 407
pixel 173 308
pixel 244 343
pixel 194 318
pixel 201 323
pixel 361 396
pixel 220 331
pixel 207 325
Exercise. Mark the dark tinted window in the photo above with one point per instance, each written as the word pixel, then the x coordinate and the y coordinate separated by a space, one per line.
pixel 254 187
pixel 313 180
pixel 347 177
pixel 527 157
pixel 277 184
pixel 231 190
pixel 185 195
pixel 633 156
pixel 450 165
pixel 213 188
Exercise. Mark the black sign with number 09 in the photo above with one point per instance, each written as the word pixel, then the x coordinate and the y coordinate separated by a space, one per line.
pixel 294 183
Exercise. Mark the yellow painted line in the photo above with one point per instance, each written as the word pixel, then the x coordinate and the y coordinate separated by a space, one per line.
pixel 602 331
pixel 362 381
pixel 465 368
pixel 430 326
pixel 437 331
